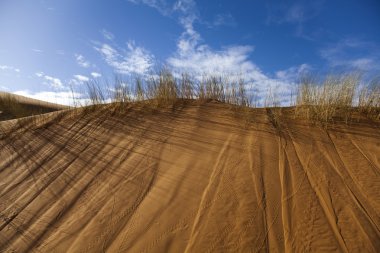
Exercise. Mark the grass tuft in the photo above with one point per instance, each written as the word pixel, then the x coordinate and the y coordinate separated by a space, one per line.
pixel 337 98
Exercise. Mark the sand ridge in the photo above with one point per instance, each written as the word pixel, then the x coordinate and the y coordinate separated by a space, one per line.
pixel 194 179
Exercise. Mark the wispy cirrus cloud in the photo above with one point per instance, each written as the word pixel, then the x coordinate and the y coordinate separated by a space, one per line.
pixel 39 74
pixel 4 88
pixel 82 61
pixel 293 73
pixel 223 19
pixel 57 97
pixel 187 7
pixel 9 68
pixel 82 78
pixel 297 13
pixel 96 74
pixel 351 53
pixel 132 60
pixel 78 80
pixel 160 5
pixel 107 35
pixel 194 56
pixel 51 81
pixel 198 58
pixel 39 51
pixel 54 82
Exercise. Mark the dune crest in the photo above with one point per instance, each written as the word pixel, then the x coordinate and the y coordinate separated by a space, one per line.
pixel 14 106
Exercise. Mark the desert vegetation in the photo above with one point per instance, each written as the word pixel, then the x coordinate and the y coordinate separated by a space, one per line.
pixel 342 97
pixel 334 98
pixel 164 88
pixel 337 97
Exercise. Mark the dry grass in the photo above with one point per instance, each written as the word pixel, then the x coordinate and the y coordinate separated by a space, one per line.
pixel 163 89
pixel 337 98
pixel 369 100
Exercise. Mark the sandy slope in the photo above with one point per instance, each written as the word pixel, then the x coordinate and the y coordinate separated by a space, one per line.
pixel 190 180
pixel 23 106
pixel 31 101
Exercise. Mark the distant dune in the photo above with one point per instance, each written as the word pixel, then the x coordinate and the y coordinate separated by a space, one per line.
pixel 196 178
pixel 15 106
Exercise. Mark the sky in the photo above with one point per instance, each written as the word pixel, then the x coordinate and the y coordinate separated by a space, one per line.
pixel 48 47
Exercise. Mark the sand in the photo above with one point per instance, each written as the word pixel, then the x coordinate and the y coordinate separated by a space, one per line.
pixel 32 102
pixel 23 106
pixel 194 179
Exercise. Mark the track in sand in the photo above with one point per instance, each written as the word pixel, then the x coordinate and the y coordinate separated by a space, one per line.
pixel 189 180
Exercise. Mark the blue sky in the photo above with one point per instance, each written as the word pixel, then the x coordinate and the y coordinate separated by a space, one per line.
pixel 46 46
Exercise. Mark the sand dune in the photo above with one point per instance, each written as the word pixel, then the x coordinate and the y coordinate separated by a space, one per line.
pixel 194 179
pixel 14 106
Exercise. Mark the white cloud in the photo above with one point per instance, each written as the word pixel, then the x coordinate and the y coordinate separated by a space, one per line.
pixel 167 8
pixel 39 74
pixel 9 68
pixel 363 63
pixel 298 14
pixel 81 78
pixel 185 6
pixel 107 35
pixel 352 54
pixel 161 5
pixel 293 73
pixel 54 82
pixel 78 80
pixel 51 81
pixel 194 57
pixel 224 19
pixel 95 74
pixel 61 97
pixel 200 59
pixel 197 58
pixel 37 50
pixel 3 88
pixel 132 60
pixel 295 14
pixel 82 61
